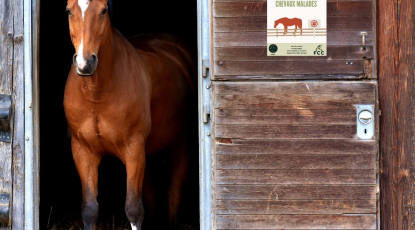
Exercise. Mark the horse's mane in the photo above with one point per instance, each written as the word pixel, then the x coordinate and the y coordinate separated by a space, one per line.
pixel 110 9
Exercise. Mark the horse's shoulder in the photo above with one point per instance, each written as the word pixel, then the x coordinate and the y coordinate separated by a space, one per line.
pixel 153 40
pixel 162 44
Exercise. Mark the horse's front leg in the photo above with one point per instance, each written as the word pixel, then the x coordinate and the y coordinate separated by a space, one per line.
pixel 134 160
pixel 87 164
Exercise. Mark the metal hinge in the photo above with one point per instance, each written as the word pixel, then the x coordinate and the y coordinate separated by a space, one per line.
pixel 5 110
pixel 206 113
pixel 205 68
pixel 206 91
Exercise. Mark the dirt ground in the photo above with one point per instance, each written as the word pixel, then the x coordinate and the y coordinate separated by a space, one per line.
pixel 75 223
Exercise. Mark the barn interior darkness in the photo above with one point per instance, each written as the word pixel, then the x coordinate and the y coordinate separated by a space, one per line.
pixel 60 188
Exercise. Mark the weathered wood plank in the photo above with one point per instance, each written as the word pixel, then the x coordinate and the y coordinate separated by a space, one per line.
pixel 288 102
pixel 342 98
pixel 18 132
pixel 285 131
pixel 259 8
pixel 272 102
pixel 363 221
pixel 292 67
pixel 294 146
pixel 293 77
pixel 6 47
pixel 285 116
pixel 296 192
pixel 335 38
pixel 355 89
pixel 259 24
pixel 350 53
pixel 295 161
pixel 273 206
pixel 263 1
pixel 6 82
pixel 318 176
pixel 397 102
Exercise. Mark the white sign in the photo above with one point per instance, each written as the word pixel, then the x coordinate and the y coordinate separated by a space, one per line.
pixel 297 28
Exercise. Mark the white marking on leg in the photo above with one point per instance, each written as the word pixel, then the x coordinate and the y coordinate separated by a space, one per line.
pixel 80 56
pixel 84 5
pixel 133 227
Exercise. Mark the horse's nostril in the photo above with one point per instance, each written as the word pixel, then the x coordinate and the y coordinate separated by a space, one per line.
pixel 94 58
pixel 74 59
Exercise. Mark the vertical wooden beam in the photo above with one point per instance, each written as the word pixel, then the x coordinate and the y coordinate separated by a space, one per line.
pixel 6 82
pixel 396 94
pixel 18 132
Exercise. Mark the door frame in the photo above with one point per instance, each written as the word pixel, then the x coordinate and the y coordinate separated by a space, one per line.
pixel 31 114
pixel 203 43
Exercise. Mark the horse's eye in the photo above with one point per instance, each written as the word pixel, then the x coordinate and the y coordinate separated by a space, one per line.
pixel 104 11
pixel 69 11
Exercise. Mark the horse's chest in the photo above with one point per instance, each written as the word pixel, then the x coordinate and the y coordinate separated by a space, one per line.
pixel 102 134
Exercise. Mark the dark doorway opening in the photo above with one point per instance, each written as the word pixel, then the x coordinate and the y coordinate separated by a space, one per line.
pixel 60 188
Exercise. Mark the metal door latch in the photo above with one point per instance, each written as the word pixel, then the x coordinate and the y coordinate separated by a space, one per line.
pixel 363 41
pixel 4 209
pixel 5 111
pixel 365 122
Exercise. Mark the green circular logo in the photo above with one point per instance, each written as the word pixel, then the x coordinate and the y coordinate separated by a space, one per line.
pixel 273 48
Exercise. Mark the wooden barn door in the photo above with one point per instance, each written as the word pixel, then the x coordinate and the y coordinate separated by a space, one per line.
pixel 18 115
pixel 287 150
pixel 287 156
pixel 12 142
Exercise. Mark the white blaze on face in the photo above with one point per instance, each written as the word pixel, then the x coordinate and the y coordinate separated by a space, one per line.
pixel 133 227
pixel 84 5
pixel 80 55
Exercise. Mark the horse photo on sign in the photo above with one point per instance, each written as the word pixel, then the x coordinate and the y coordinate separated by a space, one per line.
pixel 298 23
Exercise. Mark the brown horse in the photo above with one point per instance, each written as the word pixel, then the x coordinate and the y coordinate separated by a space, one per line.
pixel 127 98
pixel 298 23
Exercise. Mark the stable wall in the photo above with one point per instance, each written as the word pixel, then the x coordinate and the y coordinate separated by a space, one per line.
pixel 285 153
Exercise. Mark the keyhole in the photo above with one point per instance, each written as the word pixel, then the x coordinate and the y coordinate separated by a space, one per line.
pixel 365 131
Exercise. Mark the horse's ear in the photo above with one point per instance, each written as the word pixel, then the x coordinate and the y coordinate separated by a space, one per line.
pixel 110 9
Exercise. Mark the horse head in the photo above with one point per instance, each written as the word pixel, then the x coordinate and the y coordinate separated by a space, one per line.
pixel 276 23
pixel 90 26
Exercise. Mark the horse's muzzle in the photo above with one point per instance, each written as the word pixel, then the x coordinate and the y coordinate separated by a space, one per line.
pixel 89 68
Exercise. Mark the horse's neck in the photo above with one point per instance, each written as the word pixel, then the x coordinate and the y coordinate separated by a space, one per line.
pixel 107 80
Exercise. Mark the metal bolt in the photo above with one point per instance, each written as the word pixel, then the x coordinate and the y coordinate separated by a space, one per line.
pixel 27 138
pixel 208 134
pixel 220 63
